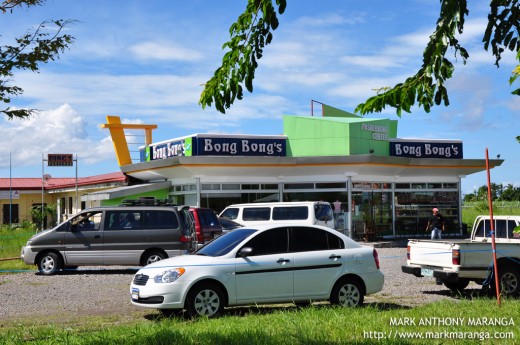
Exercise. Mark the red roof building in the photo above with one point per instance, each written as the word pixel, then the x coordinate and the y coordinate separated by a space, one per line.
pixel 19 195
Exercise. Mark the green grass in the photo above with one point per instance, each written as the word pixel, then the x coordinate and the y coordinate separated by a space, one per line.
pixel 11 242
pixel 321 324
pixel 471 210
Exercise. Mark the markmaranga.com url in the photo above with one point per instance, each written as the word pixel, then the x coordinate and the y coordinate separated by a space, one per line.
pixel 437 335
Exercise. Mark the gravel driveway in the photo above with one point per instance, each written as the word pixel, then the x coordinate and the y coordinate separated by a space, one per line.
pixel 99 291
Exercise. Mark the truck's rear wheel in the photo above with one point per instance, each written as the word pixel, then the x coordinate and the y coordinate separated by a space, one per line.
pixel 509 280
pixel 458 285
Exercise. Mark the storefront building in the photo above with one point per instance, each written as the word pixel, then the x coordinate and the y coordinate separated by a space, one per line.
pixel 371 177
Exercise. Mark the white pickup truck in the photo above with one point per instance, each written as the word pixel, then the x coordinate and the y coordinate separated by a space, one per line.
pixel 455 263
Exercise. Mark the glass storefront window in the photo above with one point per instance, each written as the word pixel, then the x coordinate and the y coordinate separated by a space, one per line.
pixel 298 186
pixel 230 186
pixel 374 210
pixel 414 208
pixel 373 204
pixel 210 186
pixel 332 185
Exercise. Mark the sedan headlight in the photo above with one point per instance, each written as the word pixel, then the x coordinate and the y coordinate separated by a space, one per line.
pixel 169 276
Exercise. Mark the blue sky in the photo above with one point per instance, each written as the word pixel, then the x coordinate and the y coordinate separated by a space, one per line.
pixel 146 61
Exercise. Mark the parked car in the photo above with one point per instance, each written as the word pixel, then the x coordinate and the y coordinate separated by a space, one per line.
pixel 207 225
pixel 261 264
pixel 137 234
pixel 228 224
pixel 296 212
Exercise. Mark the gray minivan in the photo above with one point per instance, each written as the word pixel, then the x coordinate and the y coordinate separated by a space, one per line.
pixel 120 235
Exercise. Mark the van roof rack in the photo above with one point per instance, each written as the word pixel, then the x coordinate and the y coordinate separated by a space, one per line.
pixel 146 202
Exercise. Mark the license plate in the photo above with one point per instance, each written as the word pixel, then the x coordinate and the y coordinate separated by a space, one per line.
pixel 135 293
pixel 426 272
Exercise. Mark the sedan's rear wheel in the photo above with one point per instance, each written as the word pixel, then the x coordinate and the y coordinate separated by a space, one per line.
pixel 348 293
pixel 205 300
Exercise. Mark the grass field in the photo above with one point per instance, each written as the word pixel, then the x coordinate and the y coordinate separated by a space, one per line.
pixel 470 211
pixel 11 241
pixel 479 321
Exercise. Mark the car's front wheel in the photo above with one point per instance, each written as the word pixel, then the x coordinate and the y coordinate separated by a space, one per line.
pixel 49 263
pixel 205 299
pixel 348 292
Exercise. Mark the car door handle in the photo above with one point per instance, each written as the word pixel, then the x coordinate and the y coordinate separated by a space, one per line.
pixel 283 261
pixel 334 257
pixel 97 236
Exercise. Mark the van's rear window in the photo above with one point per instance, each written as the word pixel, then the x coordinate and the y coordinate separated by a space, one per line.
pixel 291 213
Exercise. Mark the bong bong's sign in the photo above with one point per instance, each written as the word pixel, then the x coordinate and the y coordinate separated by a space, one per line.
pixel 426 148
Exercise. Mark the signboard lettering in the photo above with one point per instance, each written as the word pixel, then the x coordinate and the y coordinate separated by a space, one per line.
pixel 239 147
pixel 60 160
pixel 216 146
pixel 378 132
pixel 423 149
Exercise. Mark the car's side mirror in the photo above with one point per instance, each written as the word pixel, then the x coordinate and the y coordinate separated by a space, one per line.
pixel 245 252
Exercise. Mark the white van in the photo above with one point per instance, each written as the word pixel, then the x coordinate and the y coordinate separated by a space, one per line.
pixel 304 212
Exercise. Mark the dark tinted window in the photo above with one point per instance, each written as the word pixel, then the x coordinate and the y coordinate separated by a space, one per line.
pixel 335 242
pixel 511 225
pixel 323 212
pixel 207 218
pixel 256 213
pixel 290 212
pixel 482 228
pixel 230 213
pixel 501 228
pixel 228 224
pixel 272 241
pixel 305 239
pixel 124 220
pixel 225 243
pixel 161 220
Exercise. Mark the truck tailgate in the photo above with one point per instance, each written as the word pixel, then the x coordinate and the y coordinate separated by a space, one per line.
pixel 431 253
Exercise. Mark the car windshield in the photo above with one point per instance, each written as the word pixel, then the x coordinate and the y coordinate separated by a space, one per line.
pixel 225 243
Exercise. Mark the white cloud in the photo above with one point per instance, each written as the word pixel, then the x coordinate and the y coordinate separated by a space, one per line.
pixel 100 94
pixel 60 130
pixel 333 19
pixel 372 62
pixel 164 51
